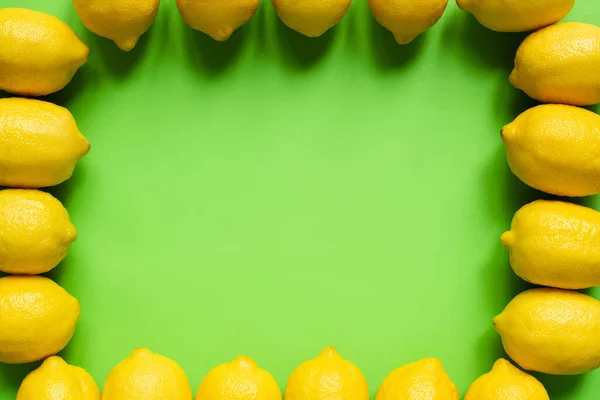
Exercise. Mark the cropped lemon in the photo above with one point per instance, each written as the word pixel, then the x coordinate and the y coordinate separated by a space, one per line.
pixel 327 377
pixel 57 380
pixel 311 18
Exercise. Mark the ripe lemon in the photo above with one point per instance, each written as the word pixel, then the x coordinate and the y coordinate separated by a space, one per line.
pixel 407 19
pixel 557 244
pixel 240 379
pixel 506 382
pixel 327 377
pixel 122 21
pixel 311 18
pixel 39 54
pixel 147 376
pixel 554 148
pixel 217 18
pixel 57 380
pixel 517 15
pixel 39 143
pixel 35 231
pixel 37 318
pixel 559 64
pixel 424 380
pixel 553 331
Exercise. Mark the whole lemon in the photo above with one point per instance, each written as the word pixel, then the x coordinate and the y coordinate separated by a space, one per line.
pixel 559 64
pixel 407 19
pixel 217 18
pixel 39 143
pixel 311 18
pixel 553 331
pixel 57 380
pixel 517 15
pixel 37 318
pixel 327 377
pixel 122 21
pixel 240 379
pixel 506 382
pixel 147 376
pixel 423 380
pixel 35 231
pixel 557 244
pixel 39 54
pixel 555 149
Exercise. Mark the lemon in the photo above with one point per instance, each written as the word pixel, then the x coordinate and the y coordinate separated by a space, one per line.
pixel 217 18
pixel 240 379
pixel 311 18
pixel 407 19
pixel 39 54
pixel 423 380
pixel 553 331
pixel 506 382
pixel 37 318
pixel 35 231
pixel 122 21
pixel 57 380
pixel 559 64
pixel 147 376
pixel 554 148
pixel 327 377
pixel 39 143
pixel 517 15
pixel 554 243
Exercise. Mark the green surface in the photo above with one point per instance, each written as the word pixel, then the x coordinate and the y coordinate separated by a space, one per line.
pixel 274 194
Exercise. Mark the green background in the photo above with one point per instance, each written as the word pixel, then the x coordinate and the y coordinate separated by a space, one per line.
pixel 275 194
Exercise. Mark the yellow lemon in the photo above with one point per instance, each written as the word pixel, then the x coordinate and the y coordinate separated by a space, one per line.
pixel 35 231
pixel 554 243
pixel 147 376
pixel 37 318
pixel 327 377
pixel 57 380
pixel 517 15
pixel 423 380
pixel 559 64
pixel 554 148
pixel 122 21
pixel 217 18
pixel 407 19
pixel 553 331
pixel 39 143
pixel 240 379
pixel 311 18
pixel 506 382
pixel 39 54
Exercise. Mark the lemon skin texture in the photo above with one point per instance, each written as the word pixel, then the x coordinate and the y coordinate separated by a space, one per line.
pixel 506 382
pixel 122 21
pixel 217 18
pixel 517 15
pixel 311 18
pixel 39 143
pixel 240 379
pixel 423 380
pixel 147 376
pixel 57 380
pixel 327 377
pixel 555 149
pixel 559 64
pixel 35 231
pixel 407 19
pixel 556 244
pixel 37 318
pixel 553 331
pixel 39 54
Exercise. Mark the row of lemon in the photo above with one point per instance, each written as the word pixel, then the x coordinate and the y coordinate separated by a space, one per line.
pixel 325 377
